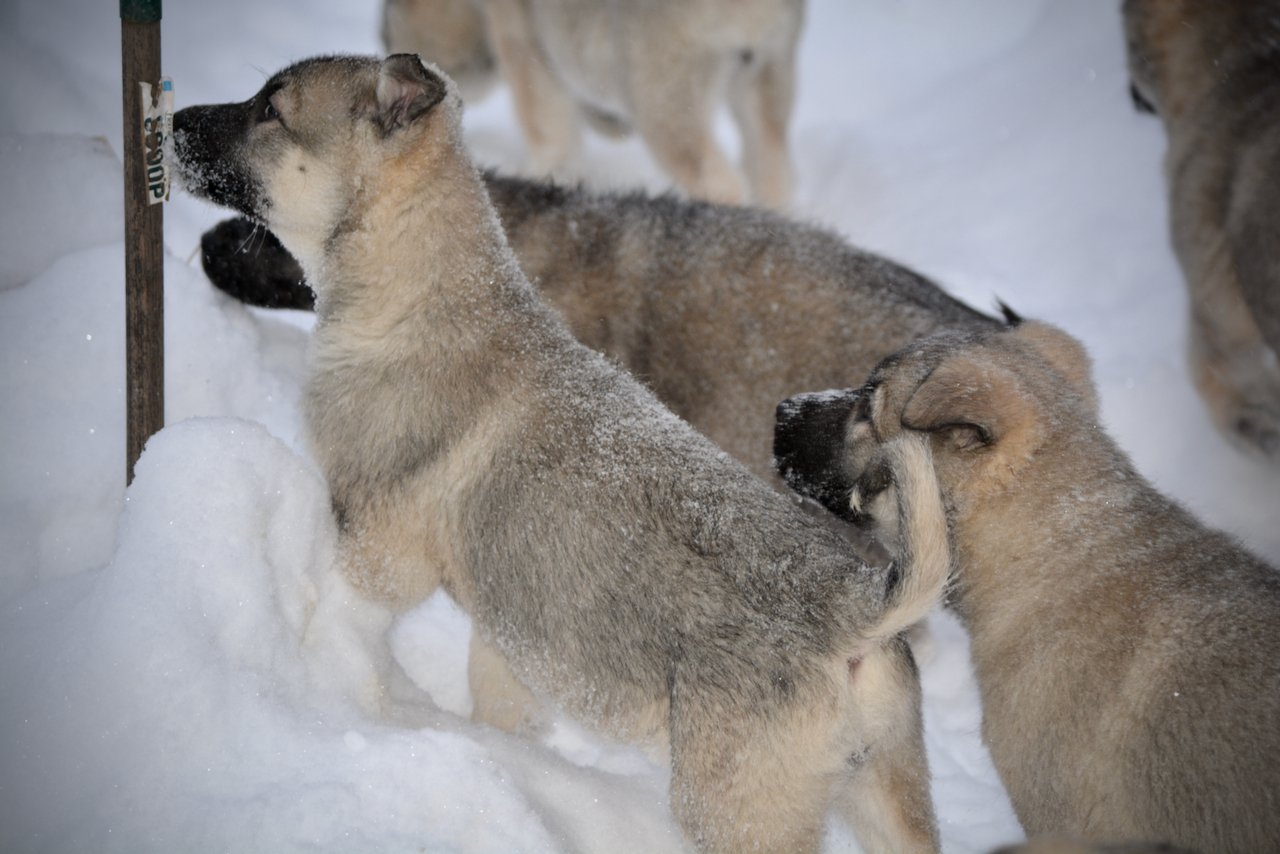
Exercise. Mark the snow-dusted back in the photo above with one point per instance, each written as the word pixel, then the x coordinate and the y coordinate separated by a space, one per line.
pixel 154 693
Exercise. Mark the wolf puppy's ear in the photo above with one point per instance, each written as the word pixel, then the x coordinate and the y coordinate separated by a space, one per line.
pixel 975 405
pixel 1065 355
pixel 406 90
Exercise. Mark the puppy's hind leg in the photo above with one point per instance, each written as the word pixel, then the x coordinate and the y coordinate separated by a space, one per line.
pixel 754 778
pixel 886 799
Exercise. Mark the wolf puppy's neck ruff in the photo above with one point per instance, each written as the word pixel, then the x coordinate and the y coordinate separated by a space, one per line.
pixel 613 560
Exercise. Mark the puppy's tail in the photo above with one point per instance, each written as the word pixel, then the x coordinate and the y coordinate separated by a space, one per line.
pixel 922 563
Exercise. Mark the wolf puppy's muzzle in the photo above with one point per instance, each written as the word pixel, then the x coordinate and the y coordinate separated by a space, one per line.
pixel 808 445
pixel 206 144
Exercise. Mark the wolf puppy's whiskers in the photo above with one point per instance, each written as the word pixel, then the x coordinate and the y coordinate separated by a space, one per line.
pixel 613 561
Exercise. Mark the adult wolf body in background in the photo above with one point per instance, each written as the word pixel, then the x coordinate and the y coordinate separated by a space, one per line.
pixel 661 68
pixel 613 560
pixel 1212 72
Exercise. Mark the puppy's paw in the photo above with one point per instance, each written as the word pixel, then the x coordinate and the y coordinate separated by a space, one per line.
pixel 870 485
pixel 873 503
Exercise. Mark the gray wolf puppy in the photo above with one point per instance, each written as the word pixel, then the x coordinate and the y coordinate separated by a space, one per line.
pixel 1128 657
pixel 722 311
pixel 661 67
pixel 612 559
pixel 1212 72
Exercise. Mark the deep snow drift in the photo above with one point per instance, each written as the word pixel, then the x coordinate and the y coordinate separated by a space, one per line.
pixel 154 691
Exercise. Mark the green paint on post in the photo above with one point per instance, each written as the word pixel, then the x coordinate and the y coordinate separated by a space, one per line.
pixel 140 11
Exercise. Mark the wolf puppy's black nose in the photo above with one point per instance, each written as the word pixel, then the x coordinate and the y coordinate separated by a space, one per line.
pixel 822 412
pixel 808 445
pixel 206 145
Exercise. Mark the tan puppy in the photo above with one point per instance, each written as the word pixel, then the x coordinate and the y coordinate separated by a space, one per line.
pixel 1128 657
pixel 613 560
pixel 661 68
pixel 1211 71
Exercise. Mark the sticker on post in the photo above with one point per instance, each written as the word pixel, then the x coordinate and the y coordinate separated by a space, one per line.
pixel 157 139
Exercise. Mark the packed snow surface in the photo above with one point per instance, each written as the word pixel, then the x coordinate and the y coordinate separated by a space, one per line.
pixel 155 690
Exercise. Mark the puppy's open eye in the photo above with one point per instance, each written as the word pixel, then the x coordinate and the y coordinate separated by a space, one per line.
pixel 269 112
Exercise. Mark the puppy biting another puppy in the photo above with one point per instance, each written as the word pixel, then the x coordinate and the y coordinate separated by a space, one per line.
pixel 1128 657
pixel 613 560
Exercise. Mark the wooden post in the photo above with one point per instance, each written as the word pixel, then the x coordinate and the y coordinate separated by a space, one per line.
pixel 143 235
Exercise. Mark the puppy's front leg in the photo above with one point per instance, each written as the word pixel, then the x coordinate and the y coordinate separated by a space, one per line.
pixel 345 638
pixel 344 642
pixel 499 699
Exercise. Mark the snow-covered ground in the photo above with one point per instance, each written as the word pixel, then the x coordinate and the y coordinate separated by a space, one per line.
pixel 154 695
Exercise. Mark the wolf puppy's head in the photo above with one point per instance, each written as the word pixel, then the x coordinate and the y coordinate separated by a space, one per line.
pixel 318 138
pixel 988 401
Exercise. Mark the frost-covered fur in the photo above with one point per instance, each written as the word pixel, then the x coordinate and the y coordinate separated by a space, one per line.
pixel 722 311
pixel 661 67
pixel 1128 657
pixel 1212 72
pixel 613 560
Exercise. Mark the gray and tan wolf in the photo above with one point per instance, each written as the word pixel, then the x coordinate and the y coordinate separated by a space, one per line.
pixel 1212 72
pixel 661 68
pixel 1128 657
pixel 613 560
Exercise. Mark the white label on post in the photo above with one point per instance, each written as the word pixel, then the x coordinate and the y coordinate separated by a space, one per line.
pixel 157 139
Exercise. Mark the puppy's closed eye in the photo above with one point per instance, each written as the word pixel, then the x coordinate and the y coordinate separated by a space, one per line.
pixel 964 437
pixel 870 484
